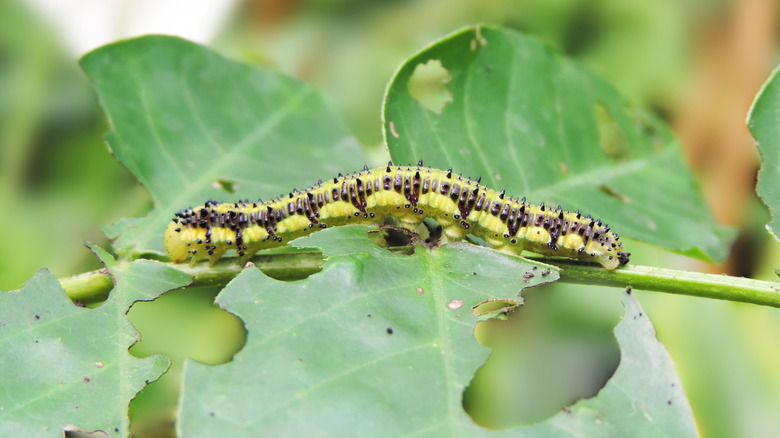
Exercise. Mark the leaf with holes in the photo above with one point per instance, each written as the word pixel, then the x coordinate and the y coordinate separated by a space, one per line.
pixel 765 126
pixel 382 344
pixel 66 367
pixel 192 125
pixel 509 109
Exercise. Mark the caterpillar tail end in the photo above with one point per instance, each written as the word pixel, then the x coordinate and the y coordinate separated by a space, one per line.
pixel 175 246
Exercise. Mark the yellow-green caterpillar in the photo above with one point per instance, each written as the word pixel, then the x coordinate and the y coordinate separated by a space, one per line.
pixel 407 193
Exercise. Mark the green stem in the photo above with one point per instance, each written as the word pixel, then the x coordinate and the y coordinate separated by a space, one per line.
pixel 94 286
pixel 697 284
pixel 88 287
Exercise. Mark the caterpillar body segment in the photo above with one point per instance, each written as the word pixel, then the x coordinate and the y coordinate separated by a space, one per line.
pixel 406 193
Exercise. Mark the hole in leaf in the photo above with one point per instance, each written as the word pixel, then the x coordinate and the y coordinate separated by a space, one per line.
pixel 183 323
pixel 494 306
pixel 77 433
pixel 392 236
pixel 401 240
pixel 397 239
pixel 546 355
pixel 428 85
pixel 613 140
pixel 226 185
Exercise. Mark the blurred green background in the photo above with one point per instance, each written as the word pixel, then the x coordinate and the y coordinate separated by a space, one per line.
pixel 697 63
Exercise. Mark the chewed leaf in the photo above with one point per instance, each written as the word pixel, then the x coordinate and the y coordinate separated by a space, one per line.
pixel 763 123
pixel 72 363
pixel 377 344
pixel 541 126
pixel 381 344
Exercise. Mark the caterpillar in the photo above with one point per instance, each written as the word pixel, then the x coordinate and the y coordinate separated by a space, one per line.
pixel 406 193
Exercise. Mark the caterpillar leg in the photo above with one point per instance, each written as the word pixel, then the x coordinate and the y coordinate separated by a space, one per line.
pixel 249 252
pixel 453 233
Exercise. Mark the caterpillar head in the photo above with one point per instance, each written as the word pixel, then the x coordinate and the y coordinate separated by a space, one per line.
pixel 623 257
pixel 175 246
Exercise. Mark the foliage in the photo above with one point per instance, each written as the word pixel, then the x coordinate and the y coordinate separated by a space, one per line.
pixel 540 125
pixel 192 125
pixel 66 367
pixel 763 123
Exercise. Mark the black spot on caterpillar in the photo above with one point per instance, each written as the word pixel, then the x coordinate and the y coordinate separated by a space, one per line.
pixel 406 193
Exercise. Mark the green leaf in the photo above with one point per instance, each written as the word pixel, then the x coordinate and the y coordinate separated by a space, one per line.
pixel 192 125
pixel 531 121
pixel 764 123
pixel 377 342
pixel 382 344
pixel 66 367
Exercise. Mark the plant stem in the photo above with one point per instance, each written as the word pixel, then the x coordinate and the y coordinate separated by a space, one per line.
pixel 94 286
pixel 697 284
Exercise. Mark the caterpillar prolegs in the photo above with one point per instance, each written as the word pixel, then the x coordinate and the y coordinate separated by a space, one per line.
pixel 407 193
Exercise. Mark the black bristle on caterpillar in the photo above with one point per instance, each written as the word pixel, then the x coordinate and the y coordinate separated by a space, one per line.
pixel 407 194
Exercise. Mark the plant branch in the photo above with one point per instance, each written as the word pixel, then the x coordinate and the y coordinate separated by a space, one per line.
pixel 92 287
pixel 697 284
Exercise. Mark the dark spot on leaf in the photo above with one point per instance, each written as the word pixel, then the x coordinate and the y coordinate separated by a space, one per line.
pixel 211 414
pixel 146 381
pixel 389 330
pixel 546 272
pixel 369 315
pixel 116 429
pixel 474 273
pixel 628 291
pixel 37 317
pixel 428 85
pixel 669 402
pixel 527 276
pixel 647 126
pixel 86 379
pixel 603 188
